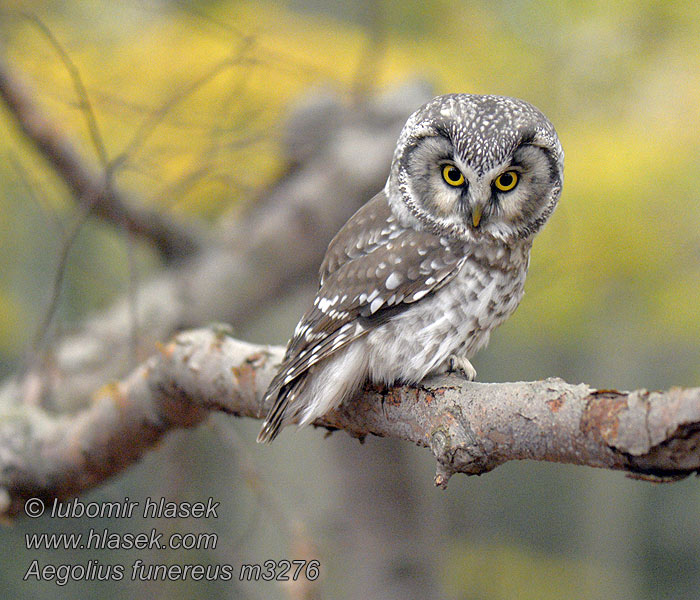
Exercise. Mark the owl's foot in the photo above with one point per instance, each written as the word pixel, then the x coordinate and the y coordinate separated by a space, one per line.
pixel 460 364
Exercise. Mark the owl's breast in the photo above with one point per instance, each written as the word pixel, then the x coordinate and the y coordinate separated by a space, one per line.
pixel 456 319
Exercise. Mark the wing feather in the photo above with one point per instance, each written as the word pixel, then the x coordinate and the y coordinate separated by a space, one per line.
pixel 373 268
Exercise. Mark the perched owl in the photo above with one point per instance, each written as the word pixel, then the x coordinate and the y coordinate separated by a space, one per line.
pixel 416 280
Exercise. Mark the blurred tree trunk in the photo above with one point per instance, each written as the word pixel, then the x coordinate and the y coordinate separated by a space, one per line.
pixel 386 530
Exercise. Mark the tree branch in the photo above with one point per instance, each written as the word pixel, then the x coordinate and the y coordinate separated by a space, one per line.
pixel 90 187
pixel 247 266
pixel 469 427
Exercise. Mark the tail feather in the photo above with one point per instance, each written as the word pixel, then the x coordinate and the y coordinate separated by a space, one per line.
pixel 279 415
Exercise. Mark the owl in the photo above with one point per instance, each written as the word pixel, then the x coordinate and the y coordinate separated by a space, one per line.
pixel 416 280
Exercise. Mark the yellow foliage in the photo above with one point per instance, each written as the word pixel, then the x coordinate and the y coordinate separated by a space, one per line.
pixel 501 572
pixel 12 321
pixel 619 80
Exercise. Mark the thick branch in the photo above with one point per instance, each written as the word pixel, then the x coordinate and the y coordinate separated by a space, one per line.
pixel 469 427
pixel 89 186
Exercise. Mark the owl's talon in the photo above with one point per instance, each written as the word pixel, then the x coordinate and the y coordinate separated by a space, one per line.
pixel 461 364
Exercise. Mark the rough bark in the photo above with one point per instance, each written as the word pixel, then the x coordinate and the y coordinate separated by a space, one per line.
pixel 469 427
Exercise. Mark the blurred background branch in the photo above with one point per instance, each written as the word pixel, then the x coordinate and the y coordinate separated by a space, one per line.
pixel 223 281
pixel 90 188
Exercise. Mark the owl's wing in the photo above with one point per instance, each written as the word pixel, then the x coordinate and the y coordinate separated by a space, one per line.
pixel 365 278
pixel 372 226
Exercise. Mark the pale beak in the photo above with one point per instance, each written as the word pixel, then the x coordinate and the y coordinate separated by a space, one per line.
pixel 476 215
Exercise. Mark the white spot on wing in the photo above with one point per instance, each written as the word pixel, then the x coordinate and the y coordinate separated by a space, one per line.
pixel 393 281
pixel 419 294
pixel 376 305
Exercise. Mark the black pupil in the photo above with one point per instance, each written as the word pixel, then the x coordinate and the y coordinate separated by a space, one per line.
pixel 453 174
pixel 506 179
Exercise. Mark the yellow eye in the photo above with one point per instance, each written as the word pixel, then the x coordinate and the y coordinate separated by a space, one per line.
pixel 452 175
pixel 506 181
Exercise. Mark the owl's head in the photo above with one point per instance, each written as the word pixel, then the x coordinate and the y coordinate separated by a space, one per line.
pixel 471 166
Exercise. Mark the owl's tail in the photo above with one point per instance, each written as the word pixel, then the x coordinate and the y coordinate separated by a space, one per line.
pixel 278 415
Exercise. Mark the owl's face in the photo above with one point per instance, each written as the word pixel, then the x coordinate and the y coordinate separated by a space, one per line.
pixel 472 166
